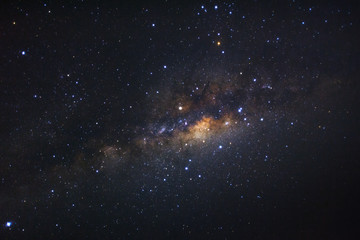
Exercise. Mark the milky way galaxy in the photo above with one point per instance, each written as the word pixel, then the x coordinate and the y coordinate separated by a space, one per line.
pixel 179 120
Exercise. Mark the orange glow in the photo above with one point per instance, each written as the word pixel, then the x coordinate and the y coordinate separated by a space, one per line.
pixel 201 128
pixel 206 127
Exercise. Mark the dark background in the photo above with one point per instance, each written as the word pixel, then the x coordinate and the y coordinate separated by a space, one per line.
pixel 79 84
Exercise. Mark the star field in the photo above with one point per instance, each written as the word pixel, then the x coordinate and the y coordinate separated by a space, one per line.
pixel 179 120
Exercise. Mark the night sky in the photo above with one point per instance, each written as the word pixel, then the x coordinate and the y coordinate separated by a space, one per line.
pixel 179 119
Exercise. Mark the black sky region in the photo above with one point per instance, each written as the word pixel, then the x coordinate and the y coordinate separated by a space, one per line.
pixel 179 119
